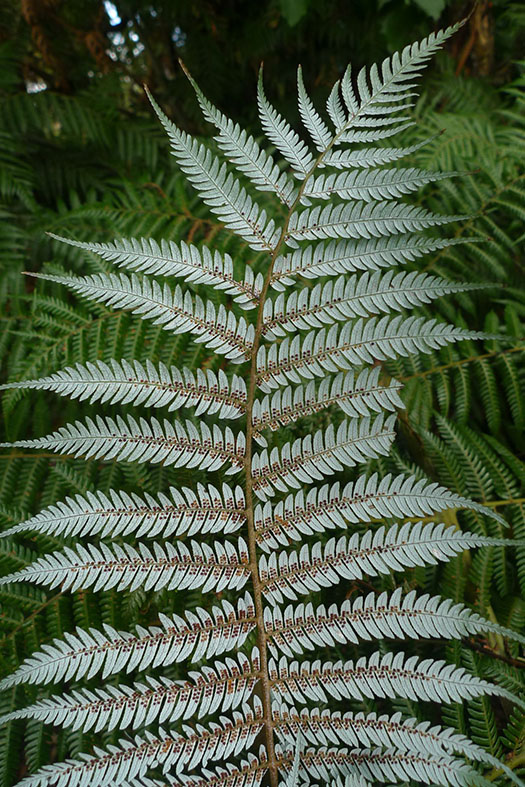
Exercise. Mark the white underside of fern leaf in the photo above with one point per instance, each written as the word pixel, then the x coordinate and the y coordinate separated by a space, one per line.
pixel 259 700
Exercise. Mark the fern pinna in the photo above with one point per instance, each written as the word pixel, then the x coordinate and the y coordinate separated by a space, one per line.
pixel 303 336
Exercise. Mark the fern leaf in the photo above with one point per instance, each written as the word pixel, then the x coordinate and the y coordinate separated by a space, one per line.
pixel 361 220
pixel 375 90
pixel 372 157
pixel 356 395
pixel 174 311
pixel 131 383
pixel 380 675
pixel 374 130
pixel 312 121
pixel 344 218
pixel 200 635
pixel 281 134
pixel 219 189
pixel 350 98
pixel 329 259
pixel 350 781
pixel 172 566
pixel 364 500
pixel 249 773
pixel 335 110
pixel 185 261
pixel 390 764
pixel 300 627
pixel 245 153
pixel 357 343
pixel 198 745
pixel 224 686
pixel 367 730
pixel 371 185
pixel 117 513
pixel 386 550
pixel 323 453
pixel 357 296
pixel 145 441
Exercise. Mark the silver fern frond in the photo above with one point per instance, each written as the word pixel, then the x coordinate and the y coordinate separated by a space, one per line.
pixel 388 764
pixel 362 220
pixel 184 512
pixel 133 383
pixel 356 343
pixel 301 627
pixel 199 635
pixel 184 261
pixel 377 184
pixel 289 575
pixel 219 189
pixel 367 730
pixel 356 395
pixel 146 441
pixel 245 153
pixel 380 675
pixel 365 500
pixel 175 310
pixel 170 566
pixel 312 121
pixel 357 296
pixel 321 454
pixel 312 347
pixel 334 257
pixel 372 157
pixel 282 135
pixel 219 685
pixel 132 758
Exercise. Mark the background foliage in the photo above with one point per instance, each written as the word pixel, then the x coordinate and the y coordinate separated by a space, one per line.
pixel 80 155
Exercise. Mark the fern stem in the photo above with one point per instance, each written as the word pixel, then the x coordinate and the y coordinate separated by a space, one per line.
pixel 250 521
pixel 461 362
pixel 252 543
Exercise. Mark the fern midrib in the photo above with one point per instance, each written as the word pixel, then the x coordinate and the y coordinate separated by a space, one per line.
pixel 250 518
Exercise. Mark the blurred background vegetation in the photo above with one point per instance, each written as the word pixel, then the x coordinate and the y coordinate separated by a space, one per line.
pixel 81 155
